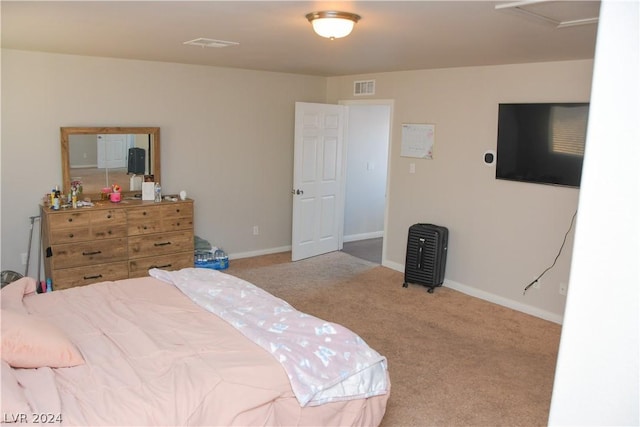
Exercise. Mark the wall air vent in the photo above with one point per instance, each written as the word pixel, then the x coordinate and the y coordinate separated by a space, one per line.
pixel 364 87
pixel 202 42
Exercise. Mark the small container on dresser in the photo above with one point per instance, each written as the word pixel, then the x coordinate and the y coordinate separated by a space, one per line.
pixel 115 241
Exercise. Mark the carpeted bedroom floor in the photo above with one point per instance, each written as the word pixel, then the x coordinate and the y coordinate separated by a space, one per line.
pixel 454 360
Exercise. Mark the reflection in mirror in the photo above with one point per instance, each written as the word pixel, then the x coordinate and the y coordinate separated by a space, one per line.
pixel 101 160
pixel 101 157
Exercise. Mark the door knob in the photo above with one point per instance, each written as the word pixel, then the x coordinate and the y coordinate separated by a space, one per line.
pixel 297 192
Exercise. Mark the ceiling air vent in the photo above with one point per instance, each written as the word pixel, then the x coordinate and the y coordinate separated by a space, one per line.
pixel 202 42
pixel 364 87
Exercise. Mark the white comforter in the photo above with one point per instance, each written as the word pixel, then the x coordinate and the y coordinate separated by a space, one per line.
pixel 324 361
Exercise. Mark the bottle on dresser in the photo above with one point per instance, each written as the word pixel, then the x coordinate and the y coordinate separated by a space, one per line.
pixel 157 192
pixel 55 198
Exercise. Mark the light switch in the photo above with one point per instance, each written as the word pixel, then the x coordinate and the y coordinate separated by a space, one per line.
pixel 412 168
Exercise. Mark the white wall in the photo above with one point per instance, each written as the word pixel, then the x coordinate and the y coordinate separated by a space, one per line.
pixel 226 138
pixel 502 234
pixel 367 156
pixel 597 377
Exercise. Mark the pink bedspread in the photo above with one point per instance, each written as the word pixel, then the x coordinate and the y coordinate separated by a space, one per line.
pixel 153 357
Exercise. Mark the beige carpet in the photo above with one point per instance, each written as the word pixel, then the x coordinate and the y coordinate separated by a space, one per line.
pixel 454 360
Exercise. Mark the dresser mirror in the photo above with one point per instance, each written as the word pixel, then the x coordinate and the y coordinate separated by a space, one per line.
pixel 99 157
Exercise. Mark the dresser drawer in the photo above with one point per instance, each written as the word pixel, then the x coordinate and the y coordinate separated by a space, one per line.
pixel 160 244
pixel 108 231
pixel 69 235
pixel 177 210
pixel 178 216
pixel 140 267
pixel 177 223
pixel 72 219
pixel 145 220
pixel 81 234
pixel 87 253
pixel 80 276
pixel 138 227
pixel 108 216
pixel 152 212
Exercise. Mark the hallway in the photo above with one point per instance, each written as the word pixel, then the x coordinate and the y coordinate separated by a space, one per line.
pixel 368 249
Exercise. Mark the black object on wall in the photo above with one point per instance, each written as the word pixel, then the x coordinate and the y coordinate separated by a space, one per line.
pixel 542 143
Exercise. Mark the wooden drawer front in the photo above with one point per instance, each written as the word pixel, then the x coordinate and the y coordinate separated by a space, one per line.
pixel 177 216
pixel 140 267
pixel 69 235
pixel 80 276
pixel 160 244
pixel 177 210
pixel 175 224
pixel 145 220
pixel 143 226
pixel 108 231
pixel 108 216
pixel 87 253
pixel 152 212
pixel 73 219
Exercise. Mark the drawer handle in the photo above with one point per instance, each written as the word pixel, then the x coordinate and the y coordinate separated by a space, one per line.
pixel 144 213
pixel 162 244
pixel 93 277
pixel 177 210
pixel 70 220
pixel 91 253
pixel 160 266
pixel 109 216
pixel 71 235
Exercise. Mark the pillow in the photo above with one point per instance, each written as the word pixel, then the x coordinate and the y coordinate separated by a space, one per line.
pixel 14 400
pixel 31 343
pixel 13 293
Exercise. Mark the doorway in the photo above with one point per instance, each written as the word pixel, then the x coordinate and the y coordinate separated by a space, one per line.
pixel 368 145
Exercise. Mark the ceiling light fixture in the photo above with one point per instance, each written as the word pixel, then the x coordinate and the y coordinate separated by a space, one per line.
pixel 332 24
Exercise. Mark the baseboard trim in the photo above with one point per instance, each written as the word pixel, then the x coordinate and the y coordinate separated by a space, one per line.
pixel 362 236
pixel 493 298
pixel 259 252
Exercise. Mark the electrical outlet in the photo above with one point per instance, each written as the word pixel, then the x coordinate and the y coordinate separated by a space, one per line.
pixel 562 290
pixel 256 230
pixel 537 284
pixel 23 257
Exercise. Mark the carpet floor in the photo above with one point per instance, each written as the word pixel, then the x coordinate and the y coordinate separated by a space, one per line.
pixel 454 360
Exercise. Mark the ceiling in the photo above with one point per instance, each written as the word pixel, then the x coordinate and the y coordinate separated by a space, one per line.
pixel 275 36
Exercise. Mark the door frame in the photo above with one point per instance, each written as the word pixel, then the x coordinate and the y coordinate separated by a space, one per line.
pixel 390 104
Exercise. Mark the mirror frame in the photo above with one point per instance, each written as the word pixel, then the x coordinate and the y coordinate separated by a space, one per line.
pixel 64 146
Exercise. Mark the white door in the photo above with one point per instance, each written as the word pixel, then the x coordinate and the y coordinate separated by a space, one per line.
pixel 318 179
pixel 112 150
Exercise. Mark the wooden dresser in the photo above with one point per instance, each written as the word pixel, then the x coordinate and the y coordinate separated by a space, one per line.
pixel 113 241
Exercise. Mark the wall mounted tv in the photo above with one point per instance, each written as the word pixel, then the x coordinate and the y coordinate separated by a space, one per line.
pixel 541 143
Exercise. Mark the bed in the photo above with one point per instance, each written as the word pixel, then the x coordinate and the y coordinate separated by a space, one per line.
pixel 188 347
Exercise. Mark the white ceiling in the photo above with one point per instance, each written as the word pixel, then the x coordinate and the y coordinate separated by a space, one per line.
pixel 275 36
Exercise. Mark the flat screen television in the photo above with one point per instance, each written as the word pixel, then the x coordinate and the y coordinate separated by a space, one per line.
pixel 541 143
